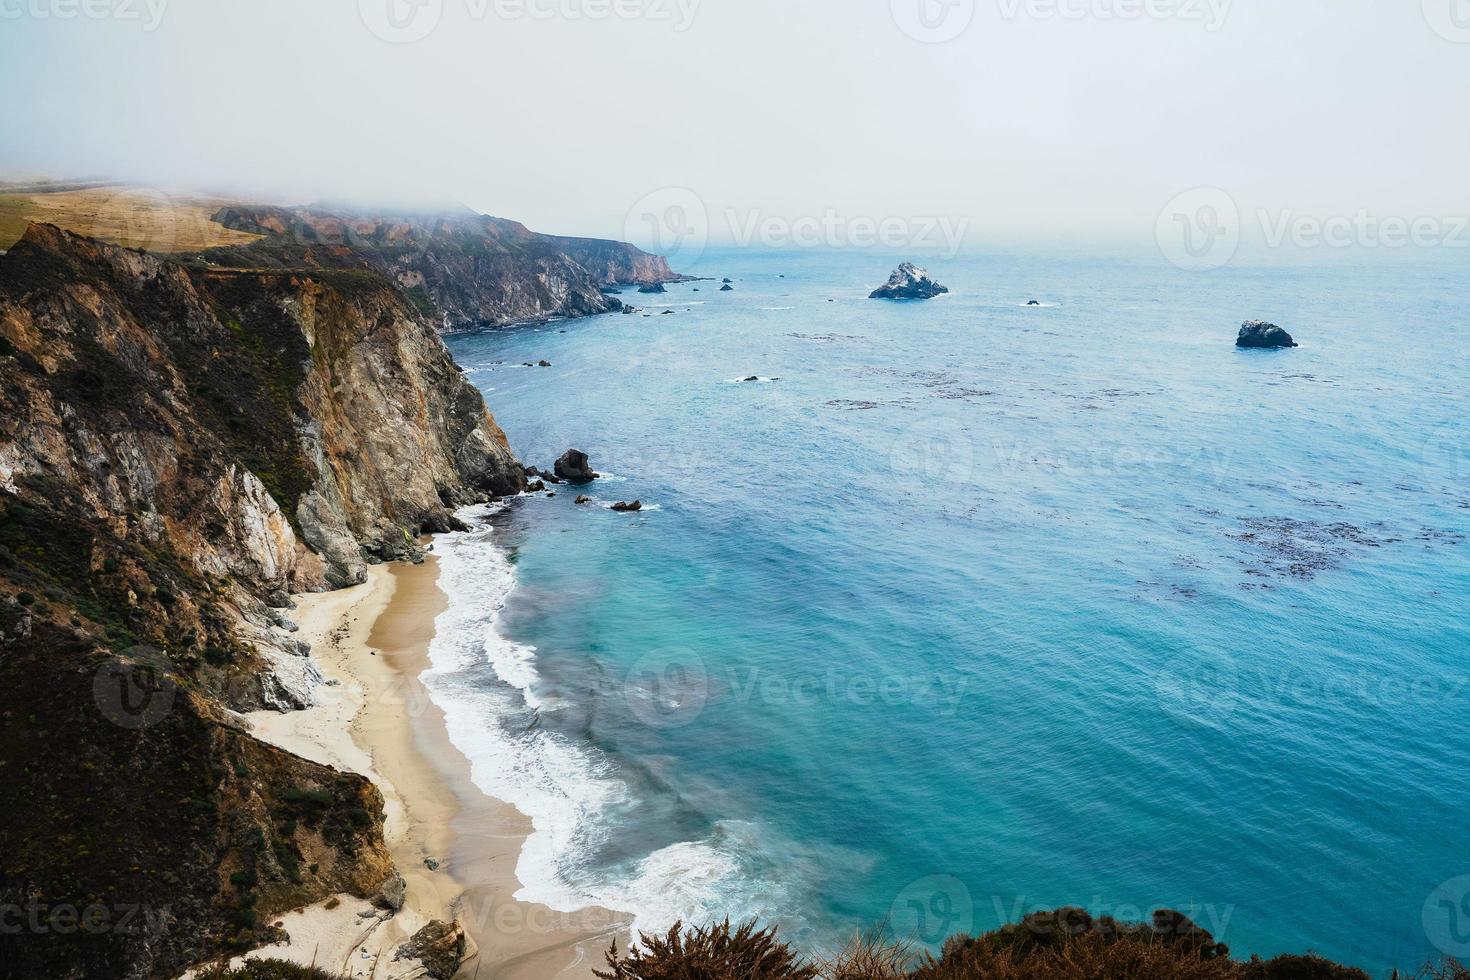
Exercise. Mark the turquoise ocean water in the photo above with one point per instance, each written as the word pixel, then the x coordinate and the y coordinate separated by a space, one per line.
pixel 984 607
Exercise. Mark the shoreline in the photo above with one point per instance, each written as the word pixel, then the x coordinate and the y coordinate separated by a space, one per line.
pixel 374 716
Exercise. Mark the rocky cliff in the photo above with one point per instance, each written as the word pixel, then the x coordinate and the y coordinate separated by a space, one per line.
pixel 466 269
pixel 180 447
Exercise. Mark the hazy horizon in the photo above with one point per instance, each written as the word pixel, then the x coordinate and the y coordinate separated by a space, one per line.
pixel 928 123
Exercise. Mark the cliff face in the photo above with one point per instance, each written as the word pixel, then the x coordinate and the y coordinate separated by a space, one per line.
pixel 179 448
pixel 467 269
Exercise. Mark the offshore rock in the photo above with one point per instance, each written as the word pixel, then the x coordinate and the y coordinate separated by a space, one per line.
pixel 908 282
pixel 1259 333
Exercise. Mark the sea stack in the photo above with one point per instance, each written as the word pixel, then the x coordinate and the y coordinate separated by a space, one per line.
pixel 908 282
pixel 652 287
pixel 1260 334
pixel 574 466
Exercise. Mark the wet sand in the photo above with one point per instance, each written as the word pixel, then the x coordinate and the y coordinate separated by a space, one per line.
pixel 377 719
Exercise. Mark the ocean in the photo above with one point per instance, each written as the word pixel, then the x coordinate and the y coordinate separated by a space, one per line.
pixel 969 607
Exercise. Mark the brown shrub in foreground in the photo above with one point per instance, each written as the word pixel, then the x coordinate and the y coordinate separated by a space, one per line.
pixel 1067 944
pixel 708 953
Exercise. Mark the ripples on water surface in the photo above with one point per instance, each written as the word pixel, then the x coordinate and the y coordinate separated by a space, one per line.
pixel 981 607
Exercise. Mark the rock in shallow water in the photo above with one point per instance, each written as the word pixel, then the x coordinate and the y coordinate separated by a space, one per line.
pixel 626 506
pixel 908 282
pixel 1259 333
pixel 573 465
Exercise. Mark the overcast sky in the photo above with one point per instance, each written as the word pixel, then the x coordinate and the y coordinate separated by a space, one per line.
pixel 1049 119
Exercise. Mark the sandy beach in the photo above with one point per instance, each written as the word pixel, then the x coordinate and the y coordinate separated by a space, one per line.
pixel 455 847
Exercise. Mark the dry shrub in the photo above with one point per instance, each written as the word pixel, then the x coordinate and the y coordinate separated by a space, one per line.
pixel 1299 968
pixel 1094 955
pixel 1066 944
pixel 1448 970
pixel 871 956
pixel 708 953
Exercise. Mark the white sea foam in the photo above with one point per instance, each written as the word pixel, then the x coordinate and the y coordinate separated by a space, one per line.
pixel 698 882
pixel 571 791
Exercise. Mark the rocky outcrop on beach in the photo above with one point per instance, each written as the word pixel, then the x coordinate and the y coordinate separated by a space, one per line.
pixel 908 282
pixel 461 268
pixel 1259 333
pixel 180 448
pixel 439 947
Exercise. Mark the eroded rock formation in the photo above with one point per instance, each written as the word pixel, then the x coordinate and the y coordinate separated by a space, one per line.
pixel 908 282
pixel 466 269
pixel 181 446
